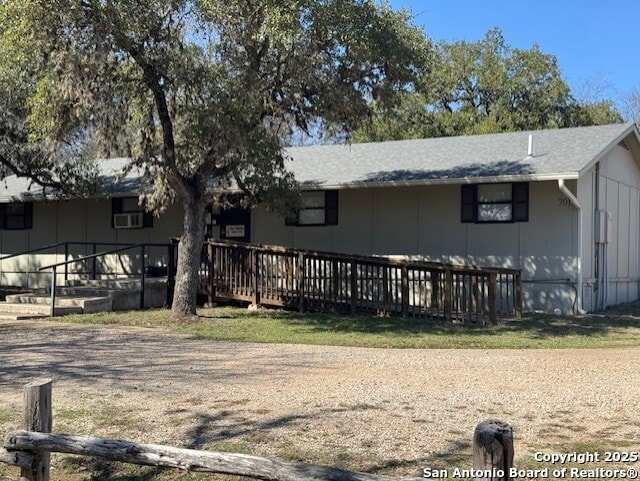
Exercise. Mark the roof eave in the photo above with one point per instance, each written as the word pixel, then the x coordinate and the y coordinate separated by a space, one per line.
pixel 632 129
pixel 451 181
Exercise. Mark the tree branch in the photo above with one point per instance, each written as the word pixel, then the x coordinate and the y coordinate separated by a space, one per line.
pixel 185 459
pixel 153 81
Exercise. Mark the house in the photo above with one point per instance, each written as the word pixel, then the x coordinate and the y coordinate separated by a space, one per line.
pixel 562 205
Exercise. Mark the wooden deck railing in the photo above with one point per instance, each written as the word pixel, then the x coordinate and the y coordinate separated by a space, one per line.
pixel 331 282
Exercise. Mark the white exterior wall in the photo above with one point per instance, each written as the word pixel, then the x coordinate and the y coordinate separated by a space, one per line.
pixel 78 221
pixel 425 222
pixel 411 221
pixel 612 268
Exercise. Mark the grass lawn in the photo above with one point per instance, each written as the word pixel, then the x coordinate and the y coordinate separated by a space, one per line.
pixel 617 327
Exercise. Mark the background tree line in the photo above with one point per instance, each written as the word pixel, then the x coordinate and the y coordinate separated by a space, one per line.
pixel 484 87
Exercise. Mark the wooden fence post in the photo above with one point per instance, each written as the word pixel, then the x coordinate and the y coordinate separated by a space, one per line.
pixel 255 281
pixel 474 294
pixel 301 281
pixel 404 273
pixel 211 294
pixel 354 287
pixel 38 416
pixel 448 294
pixel 492 298
pixel 492 451
pixel 517 281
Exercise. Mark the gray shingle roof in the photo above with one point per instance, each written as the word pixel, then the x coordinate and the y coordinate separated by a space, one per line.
pixel 15 189
pixel 559 153
pixel 556 153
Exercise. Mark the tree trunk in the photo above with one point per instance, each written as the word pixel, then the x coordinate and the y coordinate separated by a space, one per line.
pixel 189 252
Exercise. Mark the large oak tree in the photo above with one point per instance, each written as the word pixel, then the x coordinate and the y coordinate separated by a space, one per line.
pixel 483 87
pixel 196 93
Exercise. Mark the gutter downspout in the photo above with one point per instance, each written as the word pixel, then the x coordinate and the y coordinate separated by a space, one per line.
pixel 574 201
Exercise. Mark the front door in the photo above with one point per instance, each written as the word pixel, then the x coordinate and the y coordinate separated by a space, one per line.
pixel 235 224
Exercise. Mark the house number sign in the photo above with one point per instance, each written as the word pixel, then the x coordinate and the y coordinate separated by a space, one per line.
pixel 235 230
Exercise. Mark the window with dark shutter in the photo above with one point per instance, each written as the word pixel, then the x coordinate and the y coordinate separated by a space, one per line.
pixel 16 216
pixel 495 203
pixel 318 208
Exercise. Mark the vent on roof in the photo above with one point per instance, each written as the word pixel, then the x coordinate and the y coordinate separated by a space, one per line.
pixel 530 147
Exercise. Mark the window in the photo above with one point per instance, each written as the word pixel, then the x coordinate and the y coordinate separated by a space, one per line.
pixel 211 220
pixel 130 205
pixel 318 208
pixel 493 203
pixel 16 216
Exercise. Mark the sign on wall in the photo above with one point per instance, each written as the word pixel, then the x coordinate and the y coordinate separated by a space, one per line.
pixel 235 230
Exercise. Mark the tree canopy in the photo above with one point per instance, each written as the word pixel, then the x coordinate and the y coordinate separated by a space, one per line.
pixel 632 106
pixel 195 92
pixel 483 87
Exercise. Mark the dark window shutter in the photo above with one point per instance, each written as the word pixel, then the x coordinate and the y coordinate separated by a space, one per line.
pixel 289 221
pixel 147 219
pixel 468 207
pixel 116 208
pixel 331 207
pixel 28 215
pixel 520 199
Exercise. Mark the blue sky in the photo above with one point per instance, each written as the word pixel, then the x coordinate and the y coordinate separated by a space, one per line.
pixel 595 42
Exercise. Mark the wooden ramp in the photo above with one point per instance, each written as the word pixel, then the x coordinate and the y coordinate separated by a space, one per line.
pixel 332 282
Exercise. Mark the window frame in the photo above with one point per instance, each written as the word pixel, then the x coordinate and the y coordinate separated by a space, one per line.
pixel 117 207
pixel 470 203
pixel 330 208
pixel 26 216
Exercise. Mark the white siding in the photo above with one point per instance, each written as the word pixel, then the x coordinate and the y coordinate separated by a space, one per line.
pixel 412 221
pixel 425 222
pixel 78 221
pixel 619 196
pixel 355 225
pixel 397 221
pixel 440 206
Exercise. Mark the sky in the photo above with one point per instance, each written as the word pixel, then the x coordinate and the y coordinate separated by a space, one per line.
pixel 596 43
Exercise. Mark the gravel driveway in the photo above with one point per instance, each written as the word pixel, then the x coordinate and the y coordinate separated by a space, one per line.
pixel 403 408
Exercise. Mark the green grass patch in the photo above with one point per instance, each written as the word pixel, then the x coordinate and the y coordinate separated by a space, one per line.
pixel 226 446
pixel 619 328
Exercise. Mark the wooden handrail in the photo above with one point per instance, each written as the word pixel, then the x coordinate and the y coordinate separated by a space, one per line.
pixel 362 258
pixel 317 280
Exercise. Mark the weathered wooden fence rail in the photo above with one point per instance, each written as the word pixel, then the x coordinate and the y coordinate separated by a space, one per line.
pixel 323 281
pixel 30 450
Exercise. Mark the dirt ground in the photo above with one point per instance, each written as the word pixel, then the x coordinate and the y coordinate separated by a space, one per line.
pixel 393 411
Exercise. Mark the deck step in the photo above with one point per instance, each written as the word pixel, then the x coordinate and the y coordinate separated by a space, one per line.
pixel 43 310
pixel 125 283
pixel 87 304
pixel 85 297
pixel 17 316
pixel 121 299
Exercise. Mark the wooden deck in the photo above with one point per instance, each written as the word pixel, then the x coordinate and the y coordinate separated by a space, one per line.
pixel 331 282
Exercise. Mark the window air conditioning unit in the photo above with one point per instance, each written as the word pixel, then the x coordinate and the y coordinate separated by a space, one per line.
pixel 132 220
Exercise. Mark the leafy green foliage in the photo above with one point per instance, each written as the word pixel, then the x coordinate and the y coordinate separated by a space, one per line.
pixel 194 92
pixel 485 87
pixel 23 104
